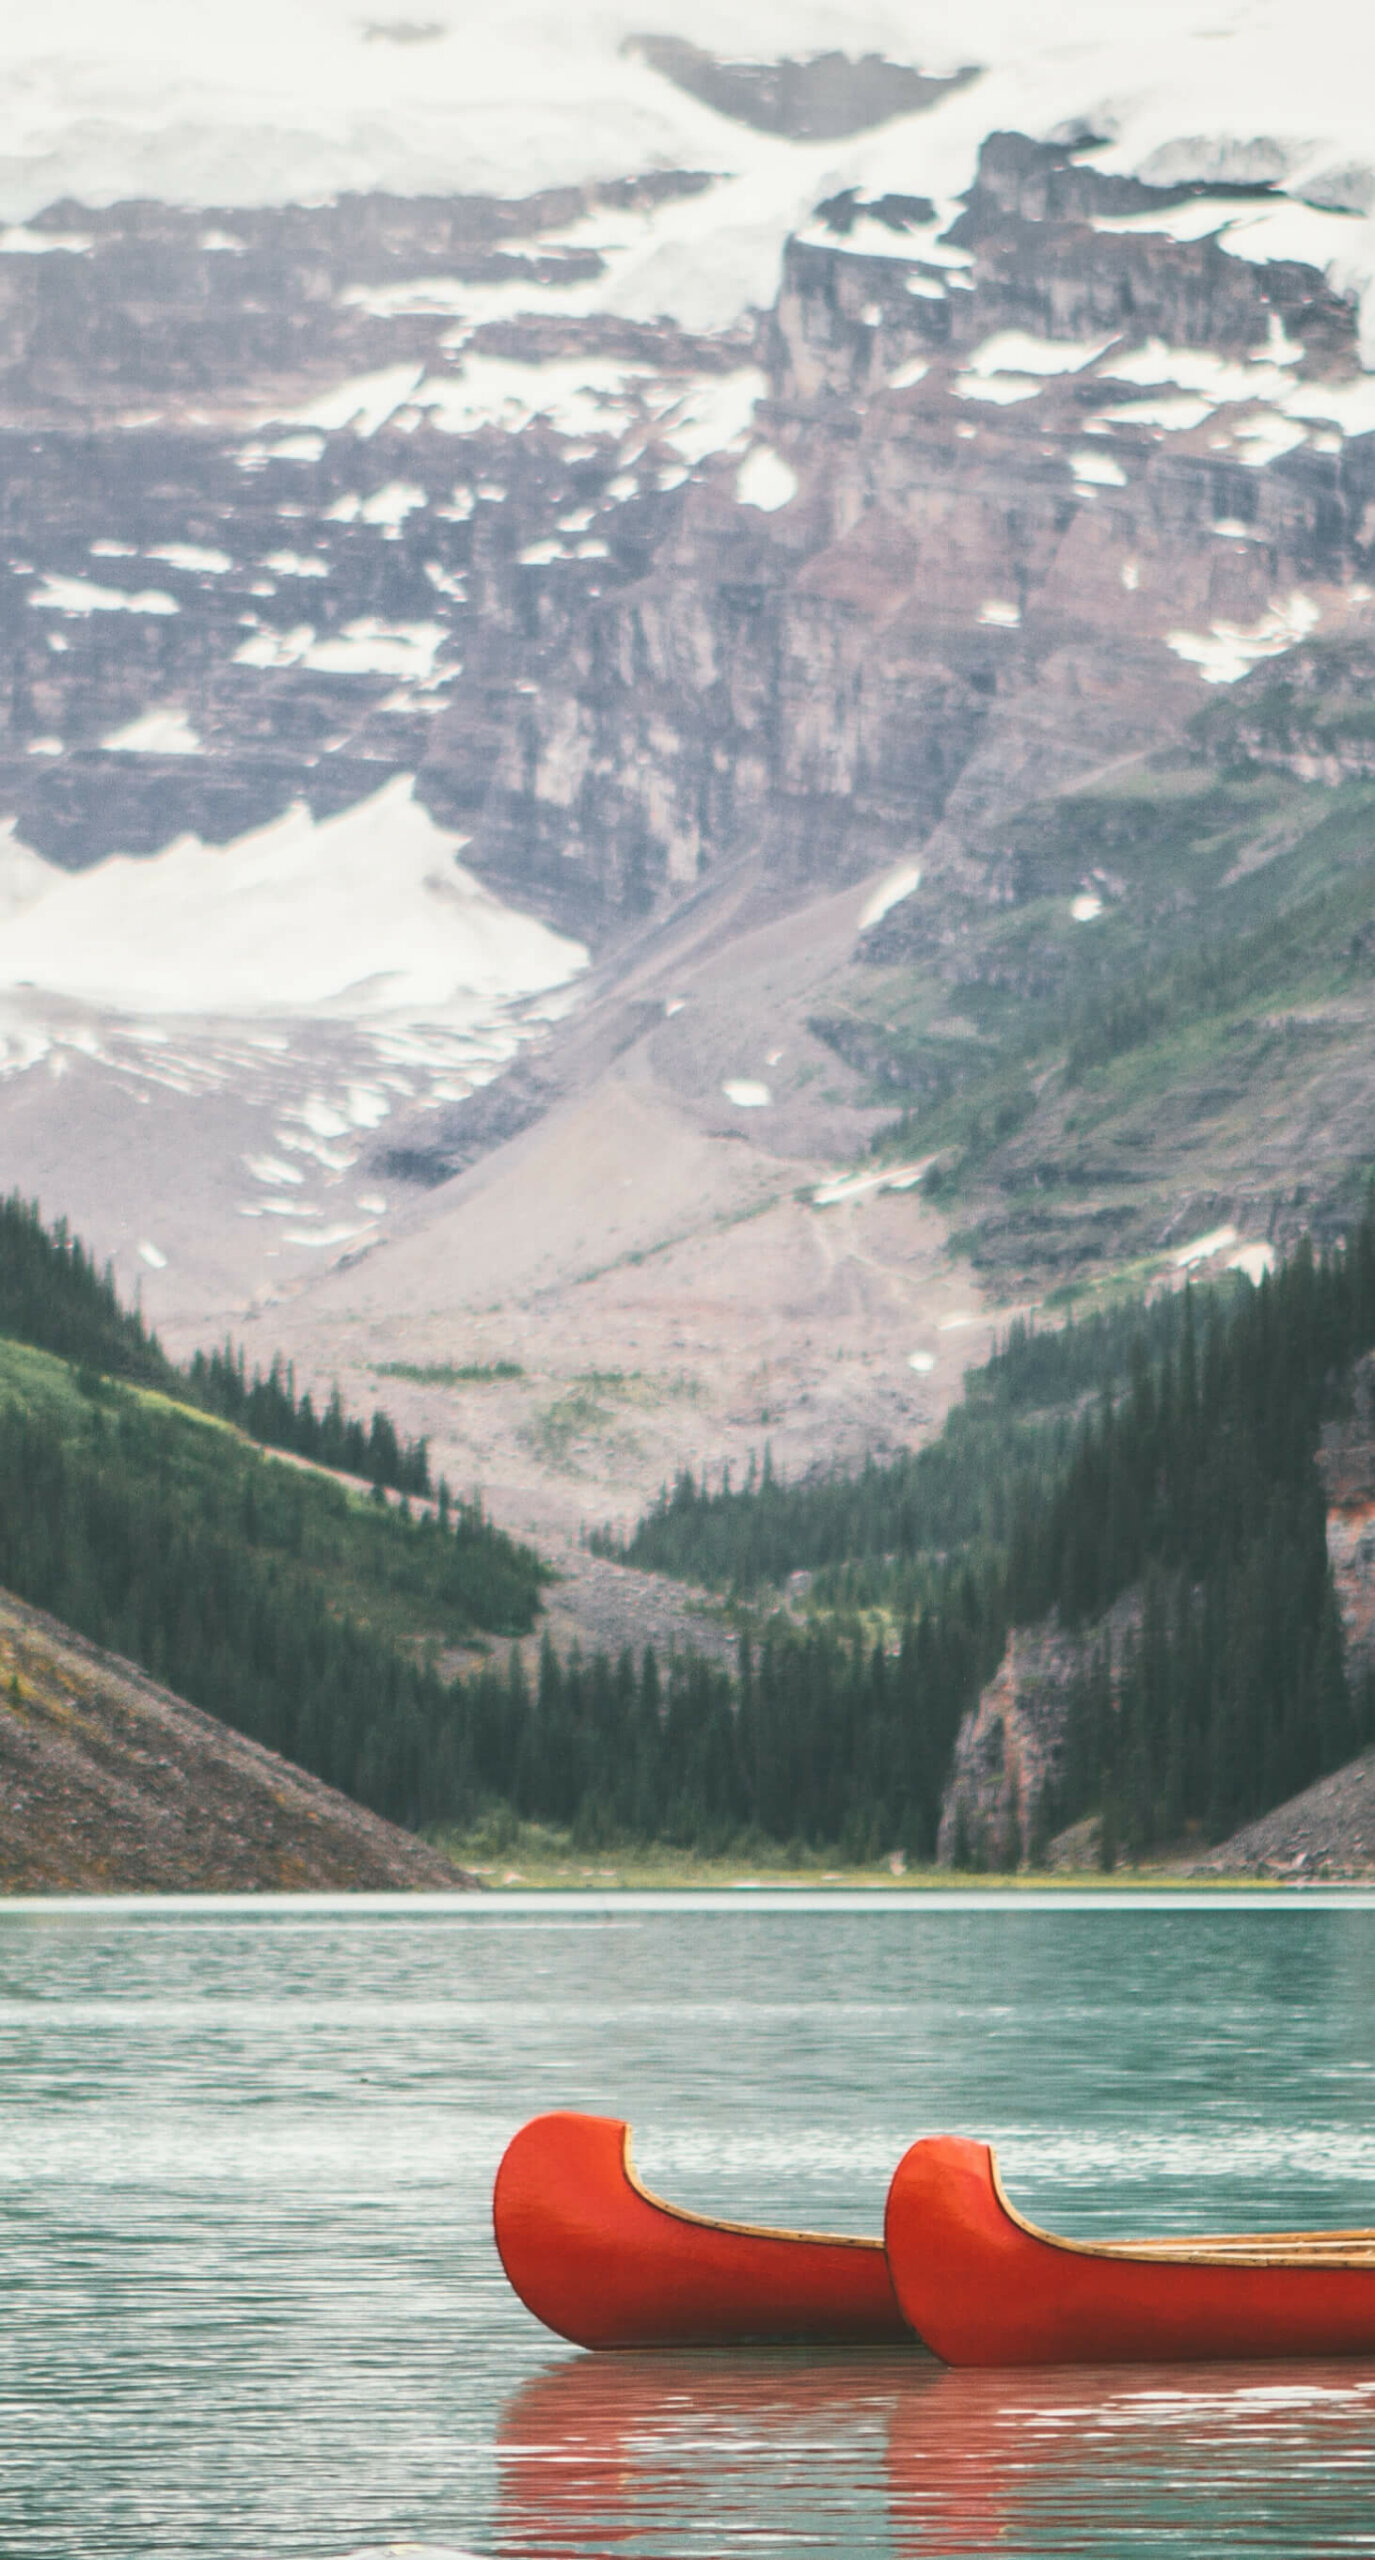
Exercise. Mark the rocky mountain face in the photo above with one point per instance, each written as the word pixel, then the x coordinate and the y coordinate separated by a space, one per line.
pixel 964 578
pixel 298 603
pixel 957 544
pixel 1348 1468
pixel 1009 1752
pixel 824 674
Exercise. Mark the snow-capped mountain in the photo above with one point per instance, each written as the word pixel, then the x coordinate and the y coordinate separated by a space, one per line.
pixel 269 105
pixel 578 542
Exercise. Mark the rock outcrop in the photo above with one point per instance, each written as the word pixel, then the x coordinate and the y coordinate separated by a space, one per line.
pixel 979 584
pixel 997 1810
pixel 1348 1468
pixel 1313 715
pixel 109 1784
pixel 814 100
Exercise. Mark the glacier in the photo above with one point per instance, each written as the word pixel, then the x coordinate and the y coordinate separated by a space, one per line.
pixel 283 101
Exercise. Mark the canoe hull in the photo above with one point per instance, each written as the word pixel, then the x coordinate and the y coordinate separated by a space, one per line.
pixel 602 2262
pixel 983 2287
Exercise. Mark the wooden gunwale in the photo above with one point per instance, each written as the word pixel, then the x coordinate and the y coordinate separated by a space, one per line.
pixel 1215 2249
pixel 745 2230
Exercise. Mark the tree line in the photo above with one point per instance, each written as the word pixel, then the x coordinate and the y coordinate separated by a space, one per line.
pixel 55 1296
pixel 1002 1450
pixel 306 1617
pixel 1202 1488
pixel 816 1740
pixel 268 1408
pixel 292 1610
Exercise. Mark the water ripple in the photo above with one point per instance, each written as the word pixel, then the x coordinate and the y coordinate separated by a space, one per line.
pixel 250 2309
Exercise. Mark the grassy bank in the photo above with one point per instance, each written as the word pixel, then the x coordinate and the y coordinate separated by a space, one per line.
pixel 532 1857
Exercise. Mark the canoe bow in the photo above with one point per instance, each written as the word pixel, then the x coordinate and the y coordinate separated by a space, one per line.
pixel 984 2286
pixel 601 2260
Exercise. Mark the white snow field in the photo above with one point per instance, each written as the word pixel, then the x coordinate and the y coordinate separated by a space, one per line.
pixel 297 100
pixel 363 917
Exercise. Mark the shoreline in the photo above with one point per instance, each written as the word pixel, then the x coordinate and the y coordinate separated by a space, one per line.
pixel 532 1858
pixel 916 1888
pixel 526 1902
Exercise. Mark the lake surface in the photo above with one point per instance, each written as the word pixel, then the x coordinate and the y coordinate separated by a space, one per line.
pixel 251 2308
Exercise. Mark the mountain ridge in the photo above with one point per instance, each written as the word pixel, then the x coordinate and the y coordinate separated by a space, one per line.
pixel 696 635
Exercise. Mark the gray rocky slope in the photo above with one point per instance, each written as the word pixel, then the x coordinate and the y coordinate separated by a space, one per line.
pixel 110 1784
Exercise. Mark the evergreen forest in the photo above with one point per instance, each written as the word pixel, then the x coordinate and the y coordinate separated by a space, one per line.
pixel 1172 1452
pixel 53 1295
pixel 1165 1456
pixel 306 1614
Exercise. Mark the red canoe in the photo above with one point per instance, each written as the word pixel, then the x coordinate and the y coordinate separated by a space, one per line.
pixel 598 2258
pixel 983 2286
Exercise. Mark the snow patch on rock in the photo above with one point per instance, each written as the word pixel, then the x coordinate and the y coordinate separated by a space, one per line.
pixel 1002 388
pixel 1096 470
pixel 1017 351
pixel 1204 1248
pixel 765 480
pixel 890 893
pixel 1225 650
pixel 81 595
pixel 196 558
pixel 165 732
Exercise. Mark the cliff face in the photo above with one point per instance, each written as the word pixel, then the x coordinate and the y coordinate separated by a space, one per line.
pixel 1006 1752
pixel 909 547
pixel 1008 1759
pixel 1348 1466
pixel 958 581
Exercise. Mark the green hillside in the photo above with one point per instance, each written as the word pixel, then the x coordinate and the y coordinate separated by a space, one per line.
pixel 1171 994
pixel 54 1296
pixel 301 1611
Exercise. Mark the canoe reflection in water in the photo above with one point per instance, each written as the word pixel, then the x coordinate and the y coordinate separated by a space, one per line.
pixel 665 2456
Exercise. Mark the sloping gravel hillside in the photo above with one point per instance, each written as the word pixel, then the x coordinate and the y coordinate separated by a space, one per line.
pixel 109 1784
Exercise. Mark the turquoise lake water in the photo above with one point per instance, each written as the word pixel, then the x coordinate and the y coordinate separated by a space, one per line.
pixel 250 2307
